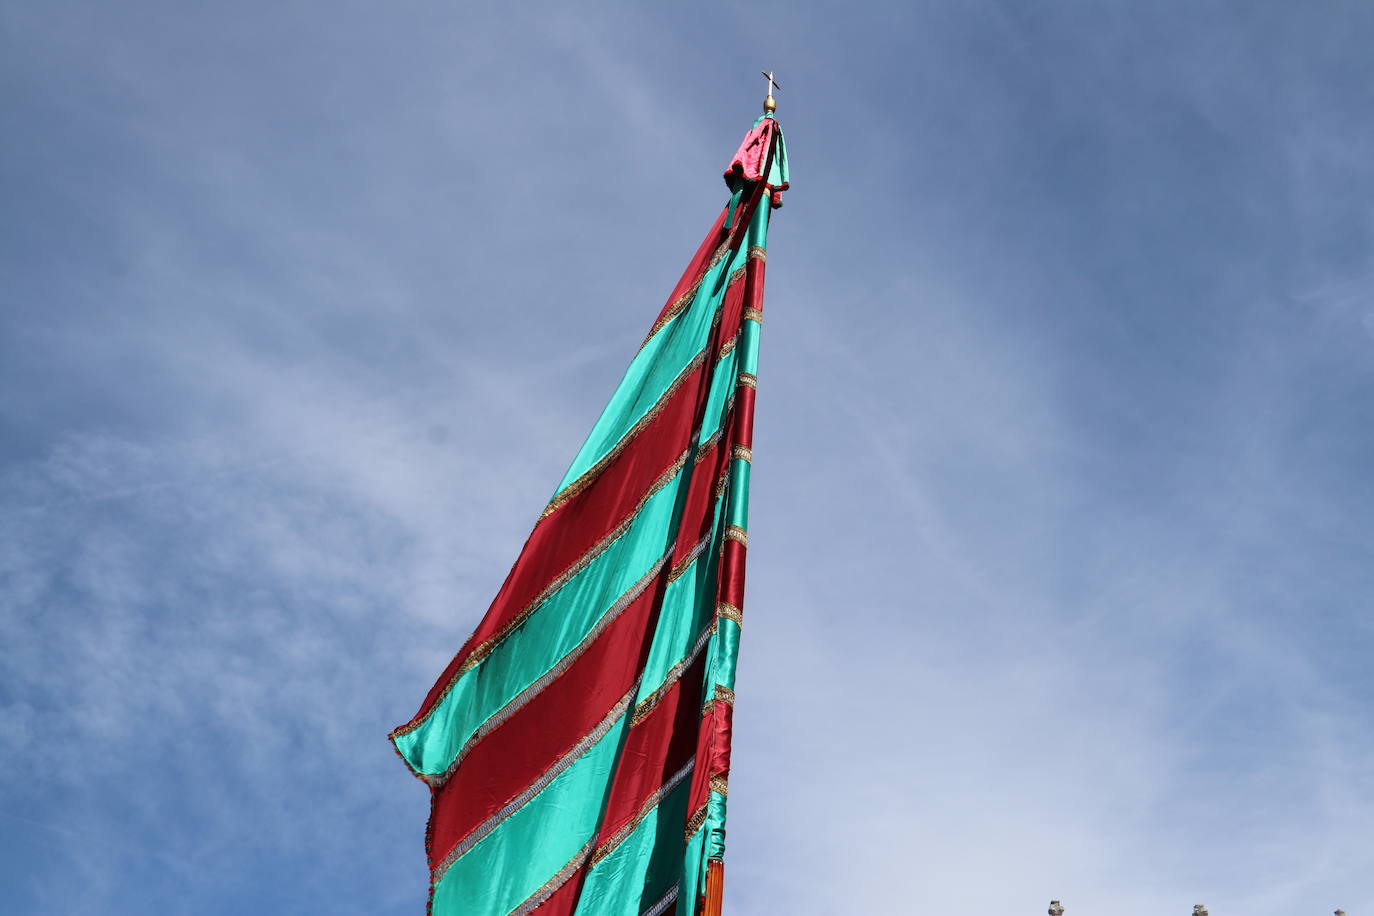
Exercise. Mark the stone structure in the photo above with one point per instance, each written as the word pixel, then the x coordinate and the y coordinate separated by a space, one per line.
pixel 1057 909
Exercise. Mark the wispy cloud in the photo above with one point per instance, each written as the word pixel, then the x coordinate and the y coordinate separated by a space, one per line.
pixel 1060 547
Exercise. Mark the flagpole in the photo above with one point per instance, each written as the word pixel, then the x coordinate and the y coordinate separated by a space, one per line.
pixel 714 899
pixel 715 887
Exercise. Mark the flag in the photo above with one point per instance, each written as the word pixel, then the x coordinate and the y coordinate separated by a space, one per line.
pixel 577 748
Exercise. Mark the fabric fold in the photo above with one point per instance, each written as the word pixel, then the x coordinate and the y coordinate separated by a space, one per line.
pixel 577 745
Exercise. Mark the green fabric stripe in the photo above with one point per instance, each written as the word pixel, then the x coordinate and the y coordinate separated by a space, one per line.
pixel 522 852
pixel 706 844
pixel 688 605
pixel 777 173
pixel 496 680
pixel 724 649
pixel 757 230
pixel 639 871
pixel 723 379
pixel 664 356
pixel 652 371
pixel 549 634
pixel 715 826
pixel 693 873
pixel 749 348
pixel 528 848
pixel 738 513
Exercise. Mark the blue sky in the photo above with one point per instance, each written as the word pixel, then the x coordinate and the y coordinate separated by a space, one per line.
pixel 1062 558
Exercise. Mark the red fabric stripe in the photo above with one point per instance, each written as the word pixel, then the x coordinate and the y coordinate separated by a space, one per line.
pixel 744 416
pixel 564 900
pixel 755 268
pixel 732 574
pixel 655 749
pixel 507 761
pixel 697 266
pixel 701 496
pixel 713 753
pixel 511 758
pixel 732 306
pixel 560 539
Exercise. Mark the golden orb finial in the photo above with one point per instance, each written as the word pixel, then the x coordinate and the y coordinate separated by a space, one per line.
pixel 770 104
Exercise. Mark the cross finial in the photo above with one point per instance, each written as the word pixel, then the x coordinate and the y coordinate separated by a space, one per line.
pixel 770 104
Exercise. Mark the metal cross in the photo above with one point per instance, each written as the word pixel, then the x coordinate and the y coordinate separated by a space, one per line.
pixel 772 83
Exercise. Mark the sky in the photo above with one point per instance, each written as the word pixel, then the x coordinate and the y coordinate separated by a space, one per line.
pixel 1062 539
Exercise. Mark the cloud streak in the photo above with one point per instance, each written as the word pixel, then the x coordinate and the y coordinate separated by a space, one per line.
pixel 1060 543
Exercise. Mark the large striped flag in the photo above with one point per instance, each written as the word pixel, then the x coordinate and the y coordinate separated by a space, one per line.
pixel 578 746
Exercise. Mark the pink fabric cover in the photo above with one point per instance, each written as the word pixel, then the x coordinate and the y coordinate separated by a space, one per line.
pixel 752 158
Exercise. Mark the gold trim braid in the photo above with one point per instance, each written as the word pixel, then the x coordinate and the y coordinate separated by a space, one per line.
pixel 681 302
pixel 541 896
pixel 723 695
pixel 650 703
pixel 529 693
pixel 645 810
pixel 694 823
pixel 548 776
pixel 589 475
pixel 488 645
pixel 727 348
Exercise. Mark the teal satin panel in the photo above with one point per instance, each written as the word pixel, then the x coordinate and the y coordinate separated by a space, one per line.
pixel 778 172
pixel 724 655
pixel 515 860
pixel 638 872
pixel 655 367
pixel 538 839
pixel 706 844
pixel 556 628
pixel 689 602
pixel 664 356
pixel 757 230
pixel 693 874
pixel 739 493
pixel 485 689
pixel 715 827
pixel 749 348
pixel 723 379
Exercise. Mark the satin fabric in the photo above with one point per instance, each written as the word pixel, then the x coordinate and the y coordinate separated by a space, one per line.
pixel 577 747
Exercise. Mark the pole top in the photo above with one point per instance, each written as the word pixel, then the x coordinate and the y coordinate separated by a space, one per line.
pixel 770 104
